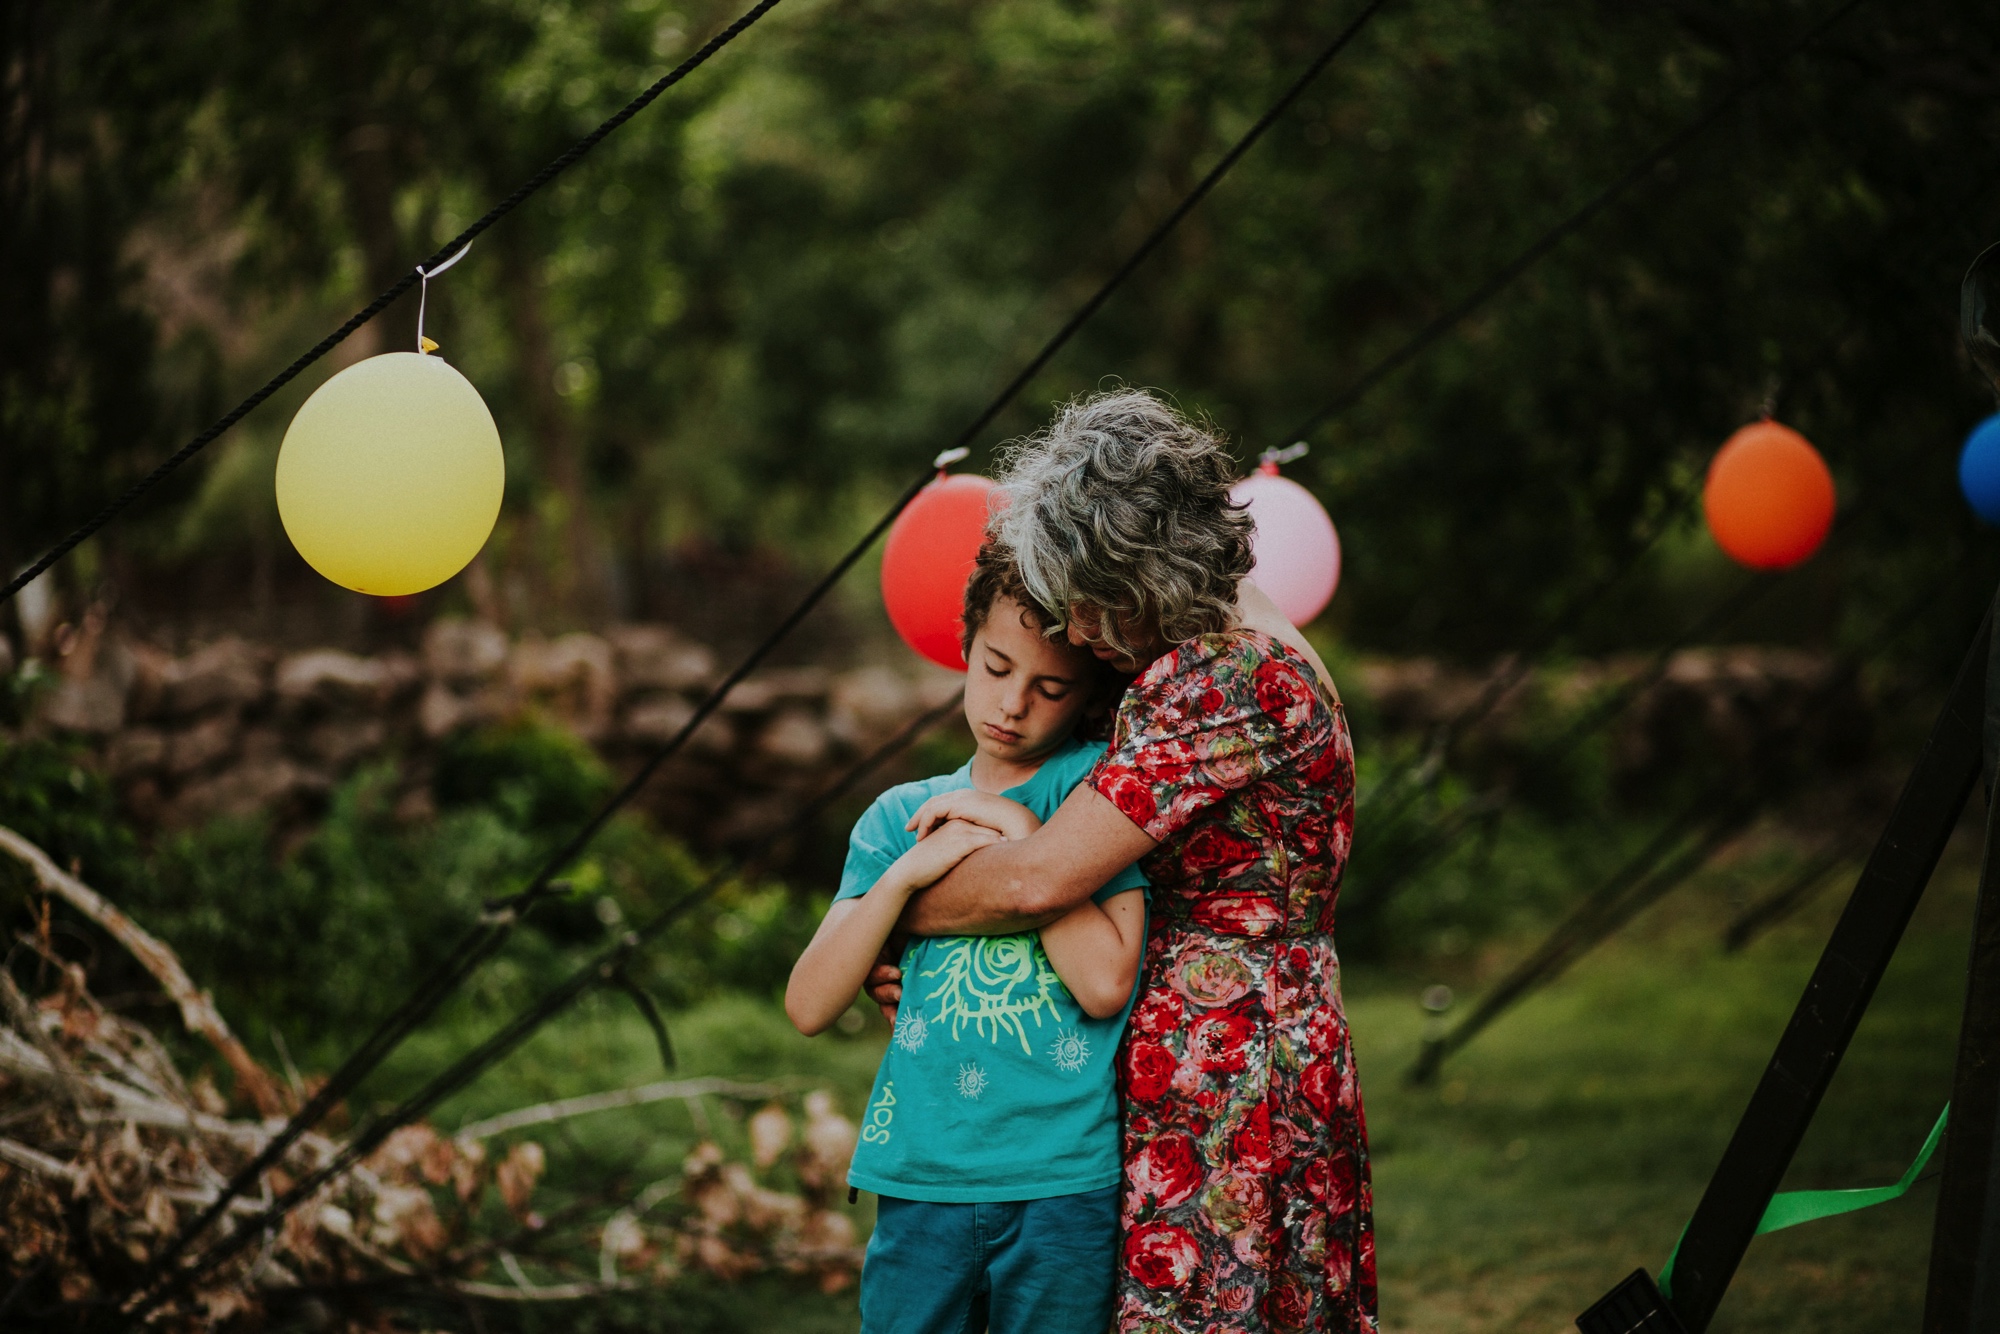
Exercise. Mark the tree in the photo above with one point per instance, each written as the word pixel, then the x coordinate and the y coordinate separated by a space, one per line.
pixel 764 302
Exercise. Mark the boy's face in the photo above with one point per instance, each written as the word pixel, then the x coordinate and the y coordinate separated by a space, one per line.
pixel 1023 693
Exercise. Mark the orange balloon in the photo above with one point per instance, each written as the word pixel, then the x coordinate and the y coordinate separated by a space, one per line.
pixel 927 561
pixel 1769 497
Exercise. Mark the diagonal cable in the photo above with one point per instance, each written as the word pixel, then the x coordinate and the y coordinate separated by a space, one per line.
pixel 1170 222
pixel 524 1025
pixel 1420 342
pixel 385 300
pixel 1666 863
pixel 486 939
pixel 1508 273
pixel 1396 785
pixel 605 969
pixel 1444 833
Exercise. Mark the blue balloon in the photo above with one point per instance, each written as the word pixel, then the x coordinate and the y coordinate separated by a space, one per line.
pixel 1979 470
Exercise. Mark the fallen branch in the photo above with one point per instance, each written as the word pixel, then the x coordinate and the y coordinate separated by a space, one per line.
pixel 20 1155
pixel 562 1109
pixel 53 1066
pixel 526 1290
pixel 125 1103
pixel 197 1008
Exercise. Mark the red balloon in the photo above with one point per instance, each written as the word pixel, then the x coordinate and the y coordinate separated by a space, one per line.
pixel 1769 497
pixel 927 561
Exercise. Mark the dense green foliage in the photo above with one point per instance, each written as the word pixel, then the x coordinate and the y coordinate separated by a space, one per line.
pixel 314 938
pixel 763 301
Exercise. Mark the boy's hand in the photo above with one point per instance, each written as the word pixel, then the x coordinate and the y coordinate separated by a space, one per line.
pixel 1009 819
pixel 948 845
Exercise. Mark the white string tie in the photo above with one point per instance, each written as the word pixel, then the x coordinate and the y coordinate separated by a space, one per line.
pixel 423 297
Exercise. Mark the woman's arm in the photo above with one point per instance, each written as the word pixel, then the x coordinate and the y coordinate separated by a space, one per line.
pixel 829 973
pixel 1024 884
pixel 1095 950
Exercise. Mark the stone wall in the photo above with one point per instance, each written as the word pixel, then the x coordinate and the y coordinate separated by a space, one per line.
pixel 1737 708
pixel 234 728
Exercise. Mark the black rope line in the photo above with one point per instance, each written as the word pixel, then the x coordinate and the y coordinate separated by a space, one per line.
pixel 476 948
pixel 1565 620
pixel 607 969
pixel 1508 273
pixel 1560 627
pixel 385 300
pixel 1796 890
pixel 1773 907
pixel 1423 766
pixel 1445 834
pixel 911 732
pixel 1645 879
pixel 1448 829
pixel 1171 221
pixel 1780 903
pixel 497 925
pixel 1665 861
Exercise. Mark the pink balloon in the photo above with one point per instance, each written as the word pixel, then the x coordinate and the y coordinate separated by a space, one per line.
pixel 1297 549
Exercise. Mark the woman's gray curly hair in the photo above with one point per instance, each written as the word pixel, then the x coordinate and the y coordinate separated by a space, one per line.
pixel 1122 505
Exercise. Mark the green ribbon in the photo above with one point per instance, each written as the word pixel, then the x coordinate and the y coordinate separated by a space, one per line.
pixel 1793 1207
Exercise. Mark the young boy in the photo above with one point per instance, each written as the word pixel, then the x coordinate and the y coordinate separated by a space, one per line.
pixel 991 1137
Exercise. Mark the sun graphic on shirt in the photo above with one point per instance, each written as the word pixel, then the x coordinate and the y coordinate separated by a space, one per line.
pixel 912 1031
pixel 993 984
pixel 1069 1051
pixel 971 1081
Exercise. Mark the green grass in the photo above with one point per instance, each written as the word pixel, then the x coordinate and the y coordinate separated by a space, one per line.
pixel 1564 1147
pixel 1571 1142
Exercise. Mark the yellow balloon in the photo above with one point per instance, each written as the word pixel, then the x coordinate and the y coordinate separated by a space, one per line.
pixel 389 479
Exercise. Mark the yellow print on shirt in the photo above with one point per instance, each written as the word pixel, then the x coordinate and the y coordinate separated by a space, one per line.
pixel 994 983
pixel 876 1128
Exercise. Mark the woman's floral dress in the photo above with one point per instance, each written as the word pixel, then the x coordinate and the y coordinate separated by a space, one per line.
pixel 1247 1203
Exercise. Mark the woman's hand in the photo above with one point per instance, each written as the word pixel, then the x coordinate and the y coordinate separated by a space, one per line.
pixel 1009 819
pixel 884 983
pixel 949 844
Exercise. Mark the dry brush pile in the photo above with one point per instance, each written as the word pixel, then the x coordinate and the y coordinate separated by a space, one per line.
pixel 108 1148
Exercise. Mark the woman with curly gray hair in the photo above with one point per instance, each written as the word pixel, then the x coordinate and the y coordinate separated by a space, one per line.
pixel 1230 780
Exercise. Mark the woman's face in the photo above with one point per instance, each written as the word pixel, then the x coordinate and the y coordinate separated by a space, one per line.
pixel 1086 630
pixel 1023 692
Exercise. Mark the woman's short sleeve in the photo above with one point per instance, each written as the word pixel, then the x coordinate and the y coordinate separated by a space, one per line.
pixel 1216 715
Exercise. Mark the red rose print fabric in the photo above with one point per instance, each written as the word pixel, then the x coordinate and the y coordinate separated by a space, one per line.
pixel 1247 1204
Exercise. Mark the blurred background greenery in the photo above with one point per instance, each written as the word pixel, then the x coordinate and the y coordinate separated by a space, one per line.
pixel 756 309
pixel 720 344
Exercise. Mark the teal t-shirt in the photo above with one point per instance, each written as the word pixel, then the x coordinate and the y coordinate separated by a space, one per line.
pixel 996 1084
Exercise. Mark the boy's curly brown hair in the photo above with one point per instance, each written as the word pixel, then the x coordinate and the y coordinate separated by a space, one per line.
pixel 994 576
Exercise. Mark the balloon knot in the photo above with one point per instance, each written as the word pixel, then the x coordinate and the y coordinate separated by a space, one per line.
pixel 428 344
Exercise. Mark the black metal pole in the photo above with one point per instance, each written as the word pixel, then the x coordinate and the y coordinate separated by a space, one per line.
pixel 1835 999
pixel 1965 1241
pixel 1858 954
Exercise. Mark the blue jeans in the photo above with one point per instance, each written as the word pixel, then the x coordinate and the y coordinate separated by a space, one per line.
pixel 1019 1267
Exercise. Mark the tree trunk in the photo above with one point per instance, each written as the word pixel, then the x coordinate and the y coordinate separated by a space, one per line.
pixel 571 573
